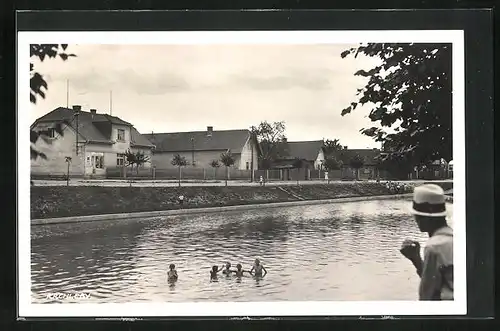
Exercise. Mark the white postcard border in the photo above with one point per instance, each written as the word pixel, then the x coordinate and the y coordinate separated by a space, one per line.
pixel 313 308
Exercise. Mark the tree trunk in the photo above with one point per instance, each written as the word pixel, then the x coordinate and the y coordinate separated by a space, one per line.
pixel 227 174
pixel 179 176
pixel 67 176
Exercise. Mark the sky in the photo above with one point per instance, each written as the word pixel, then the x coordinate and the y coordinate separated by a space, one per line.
pixel 175 88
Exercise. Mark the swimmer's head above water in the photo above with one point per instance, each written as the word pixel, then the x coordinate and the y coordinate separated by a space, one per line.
pixel 257 262
pixel 238 266
pixel 228 265
pixel 172 266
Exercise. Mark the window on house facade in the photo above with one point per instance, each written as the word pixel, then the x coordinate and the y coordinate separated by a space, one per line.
pixel 121 135
pixel 120 159
pixel 248 165
pixel 52 133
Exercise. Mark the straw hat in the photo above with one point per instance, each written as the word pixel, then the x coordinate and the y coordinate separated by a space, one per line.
pixel 429 200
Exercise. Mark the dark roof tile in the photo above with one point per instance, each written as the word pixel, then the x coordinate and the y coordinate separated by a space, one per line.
pixel 86 127
pixel 233 140
pixel 369 155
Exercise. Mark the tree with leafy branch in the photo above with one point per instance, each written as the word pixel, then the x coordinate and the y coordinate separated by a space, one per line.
pixel 331 146
pixel 216 165
pixel 297 165
pixel 130 159
pixel 356 162
pixel 409 92
pixel 39 87
pixel 179 161
pixel 331 163
pixel 269 136
pixel 227 159
pixel 138 158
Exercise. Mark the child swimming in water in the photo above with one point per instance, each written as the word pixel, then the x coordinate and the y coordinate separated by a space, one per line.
pixel 172 273
pixel 227 270
pixel 239 271
pixel 214 271
pixel 257 269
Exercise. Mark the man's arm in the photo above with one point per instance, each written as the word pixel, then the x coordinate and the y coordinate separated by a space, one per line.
pixel 265 271
pixel 418 263
pixel 430 277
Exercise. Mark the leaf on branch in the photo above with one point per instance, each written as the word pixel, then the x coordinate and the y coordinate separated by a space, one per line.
pixel 34 154
pixel 64 46
pixel 345 111
pixel 33 136
pixel 361 72
pixel 345 53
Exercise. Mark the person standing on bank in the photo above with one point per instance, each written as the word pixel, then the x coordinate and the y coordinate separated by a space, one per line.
pixel 436 268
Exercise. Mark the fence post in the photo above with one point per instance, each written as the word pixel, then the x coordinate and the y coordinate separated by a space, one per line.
pixel 267 174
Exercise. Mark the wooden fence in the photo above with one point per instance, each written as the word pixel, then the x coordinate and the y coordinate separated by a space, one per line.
pixel 190 173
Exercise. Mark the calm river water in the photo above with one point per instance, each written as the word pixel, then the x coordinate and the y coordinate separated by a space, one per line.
pixel 341 251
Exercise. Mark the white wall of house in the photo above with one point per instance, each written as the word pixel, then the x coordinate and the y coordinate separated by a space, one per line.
pixel 202 159
pixel 93 159
pixel 56 152
pixel 319 159
pixel 245 161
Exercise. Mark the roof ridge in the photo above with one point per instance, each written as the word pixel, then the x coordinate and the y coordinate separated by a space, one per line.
pixel 201 131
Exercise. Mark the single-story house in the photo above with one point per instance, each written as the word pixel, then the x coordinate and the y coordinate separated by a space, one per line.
pixel 200 148
pixel 309 152
pixel 94 141
pixel 369 169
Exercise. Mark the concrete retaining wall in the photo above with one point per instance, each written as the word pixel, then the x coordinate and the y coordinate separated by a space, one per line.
pixel 128 216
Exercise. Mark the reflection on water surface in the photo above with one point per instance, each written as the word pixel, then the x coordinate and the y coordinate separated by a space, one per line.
pixel 342 251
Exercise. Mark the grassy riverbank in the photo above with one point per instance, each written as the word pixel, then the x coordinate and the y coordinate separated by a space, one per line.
pixel 62 201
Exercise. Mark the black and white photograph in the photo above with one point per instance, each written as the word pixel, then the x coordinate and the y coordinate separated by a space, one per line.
pixel 242 173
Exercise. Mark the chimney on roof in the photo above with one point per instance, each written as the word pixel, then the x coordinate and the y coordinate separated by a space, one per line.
pixel 77 108
pixel 93 111
pixel 345 147
pixel 210 130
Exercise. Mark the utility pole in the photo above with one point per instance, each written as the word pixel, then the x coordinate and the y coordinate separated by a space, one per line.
pixel 111 103
pixel 67 93
pixel 77 114
pixel 252 136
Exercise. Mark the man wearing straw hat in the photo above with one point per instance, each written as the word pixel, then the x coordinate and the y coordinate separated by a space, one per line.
pixel 436 268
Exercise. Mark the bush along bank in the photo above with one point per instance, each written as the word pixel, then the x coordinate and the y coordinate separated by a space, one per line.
pixel 67 201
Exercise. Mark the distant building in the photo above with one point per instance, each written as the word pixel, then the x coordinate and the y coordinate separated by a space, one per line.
pixel 369 170
pixel 94 141
pixel 309 152
pixel 200 148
